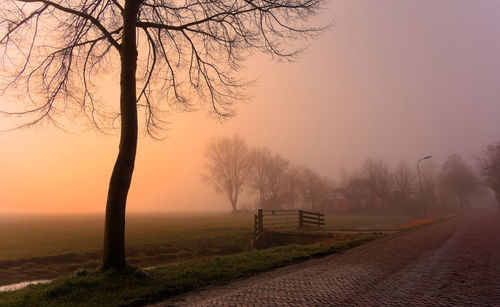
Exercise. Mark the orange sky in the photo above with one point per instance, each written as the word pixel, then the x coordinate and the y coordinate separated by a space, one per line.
pixel 393 79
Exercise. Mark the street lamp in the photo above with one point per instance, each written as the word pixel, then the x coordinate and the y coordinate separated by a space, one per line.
pixel 420 180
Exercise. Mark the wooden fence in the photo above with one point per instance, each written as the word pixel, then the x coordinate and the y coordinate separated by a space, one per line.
pixel 283 219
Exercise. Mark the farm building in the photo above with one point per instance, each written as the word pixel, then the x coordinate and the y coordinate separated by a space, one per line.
pixel 336 200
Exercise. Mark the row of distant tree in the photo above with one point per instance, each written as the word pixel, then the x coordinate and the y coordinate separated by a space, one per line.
pixel 489 169
pixel 376 187
pixel 454 185
pixel 233 166
pixel 170 54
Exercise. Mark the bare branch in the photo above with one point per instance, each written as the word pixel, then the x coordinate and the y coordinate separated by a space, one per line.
pixel 73 12
pixel 194 50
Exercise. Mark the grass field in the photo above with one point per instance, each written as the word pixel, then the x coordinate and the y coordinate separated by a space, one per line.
pixel 136 287
pixel 47 246
pixel 365 222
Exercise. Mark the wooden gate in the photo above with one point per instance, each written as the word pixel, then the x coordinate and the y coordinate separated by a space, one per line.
pixel 285 219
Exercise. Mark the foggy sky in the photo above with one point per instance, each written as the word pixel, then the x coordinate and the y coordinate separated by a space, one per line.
pixel 392 79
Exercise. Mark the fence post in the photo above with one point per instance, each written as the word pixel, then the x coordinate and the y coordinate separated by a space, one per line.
pixel 301 218
pixel 255 227
pixel 261 218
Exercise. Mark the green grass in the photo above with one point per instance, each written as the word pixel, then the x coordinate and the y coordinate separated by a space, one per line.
pixel 361 222
pixel 136 286
pixel 45 247
pixel 426 221
pixel 26 236
pixel 193 250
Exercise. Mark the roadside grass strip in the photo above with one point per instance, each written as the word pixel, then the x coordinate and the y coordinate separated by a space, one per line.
pixel 426 221
pixel 136 287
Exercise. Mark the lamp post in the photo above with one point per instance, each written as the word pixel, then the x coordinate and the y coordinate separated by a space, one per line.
pixel 420 181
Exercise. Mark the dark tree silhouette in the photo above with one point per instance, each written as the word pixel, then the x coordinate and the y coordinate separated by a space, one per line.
pixel 276 177
pixel 378 178
pixel 489 168
pixel 228 166
pixel 187 52
pixel 268 177
pixel 258 177
pixel 458 179
pixel 404 180
pixel 291 187
pixel 313 188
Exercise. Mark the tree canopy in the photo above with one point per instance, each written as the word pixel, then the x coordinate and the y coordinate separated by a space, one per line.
pixel 489 168
pixel 228 166
pixel 188 51
pixel 458 179
pixel 170 54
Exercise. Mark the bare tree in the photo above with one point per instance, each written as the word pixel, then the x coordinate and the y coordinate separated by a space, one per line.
pixel 258 180
pixel 458 179
pixel 291 187
pixel 430 181
pixel 276 171
pixel 378 178
pixel 187 52
pixel 228 166
pixel 489 168
pixel 314 188
pixel 359 193
pixel 268 177
pixel 404 180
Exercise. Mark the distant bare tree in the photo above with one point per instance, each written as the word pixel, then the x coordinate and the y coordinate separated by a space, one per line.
pixel 188 51
pixel 489 168
pixel 291 187
pixel 429 172
pixel 457 178
pixel 359 193
pixel 228 166
pixel 268 177
pixel 343 176
pixel 314 188
pixel 378 178
pixel 258 181
pixel 276 172
pixel 404 180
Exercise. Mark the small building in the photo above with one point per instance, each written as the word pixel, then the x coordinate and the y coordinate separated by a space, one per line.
pixel 335 201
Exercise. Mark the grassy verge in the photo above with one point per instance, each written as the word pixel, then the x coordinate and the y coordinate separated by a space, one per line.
pixel 137 287
pixel 172 247
pixel 48 246
pixel 426 221
pixel 365 222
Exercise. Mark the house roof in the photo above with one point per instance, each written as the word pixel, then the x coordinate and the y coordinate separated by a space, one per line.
pixel 335 196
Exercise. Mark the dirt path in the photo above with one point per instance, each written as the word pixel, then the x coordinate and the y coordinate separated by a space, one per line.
pixel 453 263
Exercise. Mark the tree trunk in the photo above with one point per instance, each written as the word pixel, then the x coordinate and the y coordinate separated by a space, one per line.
pixel 114 227
pixel 234 201
pixel 497 194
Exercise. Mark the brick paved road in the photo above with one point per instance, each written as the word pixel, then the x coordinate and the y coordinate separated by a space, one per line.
pixel 453 263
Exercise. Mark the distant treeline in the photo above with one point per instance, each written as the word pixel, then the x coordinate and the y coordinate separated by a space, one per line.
pixel 232 167
pixel 417 190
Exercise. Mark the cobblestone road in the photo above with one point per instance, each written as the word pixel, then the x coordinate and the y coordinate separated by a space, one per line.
pixel 453 263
